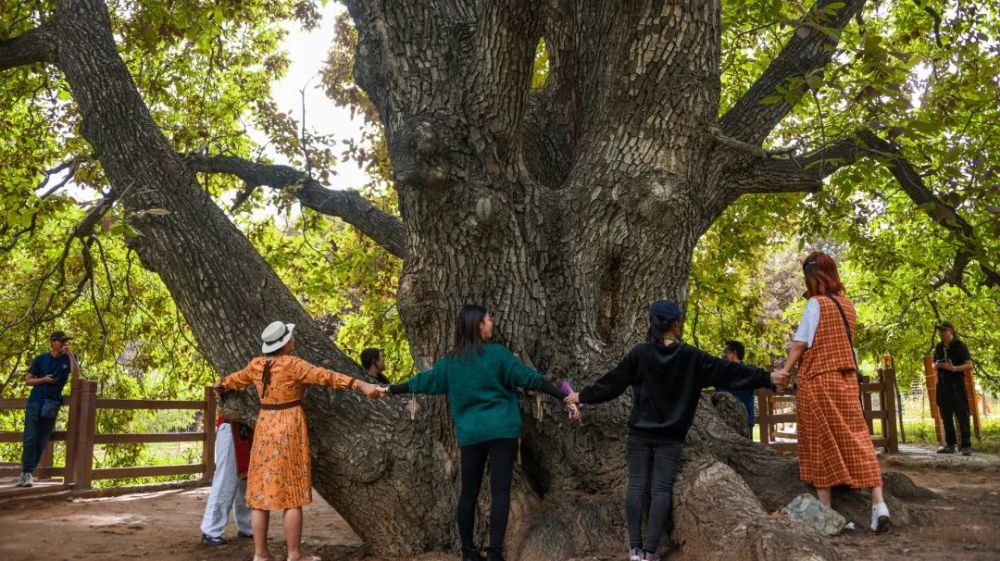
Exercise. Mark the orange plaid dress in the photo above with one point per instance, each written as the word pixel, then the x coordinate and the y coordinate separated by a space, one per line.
pixel 280 474
pixel 834 447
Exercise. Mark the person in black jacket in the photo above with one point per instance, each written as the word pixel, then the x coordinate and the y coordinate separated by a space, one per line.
pixel 666 377
pixel 952 360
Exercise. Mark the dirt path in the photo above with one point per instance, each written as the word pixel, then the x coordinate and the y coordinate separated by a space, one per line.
pixel 965 524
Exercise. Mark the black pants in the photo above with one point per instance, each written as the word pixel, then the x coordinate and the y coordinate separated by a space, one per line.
pixel 501 454
pixel 954 402
pixel 652 467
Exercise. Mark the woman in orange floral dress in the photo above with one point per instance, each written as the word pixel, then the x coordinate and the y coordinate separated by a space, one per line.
pixel 280 467
pixel 835 447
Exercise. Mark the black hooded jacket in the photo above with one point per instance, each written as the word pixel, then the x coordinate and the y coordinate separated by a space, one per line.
pixel 666 383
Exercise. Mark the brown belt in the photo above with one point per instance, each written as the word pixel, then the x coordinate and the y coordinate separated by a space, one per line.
pixel 280 406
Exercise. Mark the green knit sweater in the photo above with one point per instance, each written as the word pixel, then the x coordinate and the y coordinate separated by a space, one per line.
pixel 481 392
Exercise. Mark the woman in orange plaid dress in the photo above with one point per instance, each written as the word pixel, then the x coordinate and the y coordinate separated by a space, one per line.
pixel 835 447
pixel 280 466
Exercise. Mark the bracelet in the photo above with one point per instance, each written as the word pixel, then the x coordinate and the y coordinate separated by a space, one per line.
pixel 354 381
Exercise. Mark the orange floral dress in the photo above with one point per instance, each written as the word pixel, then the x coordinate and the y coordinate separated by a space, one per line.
pixel 280 474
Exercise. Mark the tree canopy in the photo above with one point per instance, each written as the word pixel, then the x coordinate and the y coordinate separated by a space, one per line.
pixel 921 75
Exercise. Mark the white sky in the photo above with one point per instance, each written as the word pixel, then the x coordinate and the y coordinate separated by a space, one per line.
pixel 307 52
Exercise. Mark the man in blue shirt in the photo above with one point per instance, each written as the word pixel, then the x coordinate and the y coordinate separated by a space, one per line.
pixel 734 352
pixel 47 375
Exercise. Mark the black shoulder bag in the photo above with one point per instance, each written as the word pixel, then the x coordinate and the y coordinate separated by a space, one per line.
pixel 850 339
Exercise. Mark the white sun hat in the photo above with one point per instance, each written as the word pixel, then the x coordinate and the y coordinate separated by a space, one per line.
pixel 275 336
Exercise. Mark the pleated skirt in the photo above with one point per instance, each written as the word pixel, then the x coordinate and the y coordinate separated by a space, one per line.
pixel 280 474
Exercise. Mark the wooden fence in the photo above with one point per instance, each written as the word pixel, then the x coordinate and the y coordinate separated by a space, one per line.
pixel 80 436
pixel 773 410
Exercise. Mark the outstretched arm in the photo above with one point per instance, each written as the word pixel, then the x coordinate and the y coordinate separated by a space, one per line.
pixel 315 375
pixel 722 373
pixel 794 354
pixel 429 382
pixel 611 385
pixel 516 373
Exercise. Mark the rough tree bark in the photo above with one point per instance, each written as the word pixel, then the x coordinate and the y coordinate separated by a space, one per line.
pixel 564 211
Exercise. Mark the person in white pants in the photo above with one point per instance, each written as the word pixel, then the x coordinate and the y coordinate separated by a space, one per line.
pixel 228 491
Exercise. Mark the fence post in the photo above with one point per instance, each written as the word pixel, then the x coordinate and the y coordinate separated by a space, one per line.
pixel 72 432
pixel 930 375
pixel 208 450
pixel 970 392
pixel 763 418
pixel 889 408
pixel 866 402
pixel 87 428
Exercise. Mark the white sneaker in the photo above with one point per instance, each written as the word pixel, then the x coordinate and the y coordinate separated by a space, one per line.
pixel 20 480
pixel 28 480
pixel 635 554
pixel 880 518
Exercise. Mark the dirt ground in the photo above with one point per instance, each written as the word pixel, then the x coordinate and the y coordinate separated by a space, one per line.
pixel 963 524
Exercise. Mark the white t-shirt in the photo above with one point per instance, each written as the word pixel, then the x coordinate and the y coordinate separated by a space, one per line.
pixel 808 324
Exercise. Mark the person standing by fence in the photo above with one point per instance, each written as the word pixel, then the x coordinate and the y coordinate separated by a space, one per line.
pixel 229 484
pixel 952 360
pixel 835 447
pixel 47 375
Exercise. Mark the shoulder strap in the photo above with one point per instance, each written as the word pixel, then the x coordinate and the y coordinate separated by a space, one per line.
pixel 847 328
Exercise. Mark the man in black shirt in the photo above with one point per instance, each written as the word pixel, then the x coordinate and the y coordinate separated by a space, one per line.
pixel 952 360
pixel 374 364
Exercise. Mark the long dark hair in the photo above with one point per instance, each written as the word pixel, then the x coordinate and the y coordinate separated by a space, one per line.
pixel 467 336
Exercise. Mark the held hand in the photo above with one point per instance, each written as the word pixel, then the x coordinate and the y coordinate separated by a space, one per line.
pixel 371 391
pixel 572 399
pixel 574 413
pixel 780 379
pixel 48 379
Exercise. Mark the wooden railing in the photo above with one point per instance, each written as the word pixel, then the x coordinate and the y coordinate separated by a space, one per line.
pixel 769 416
pixel 81 437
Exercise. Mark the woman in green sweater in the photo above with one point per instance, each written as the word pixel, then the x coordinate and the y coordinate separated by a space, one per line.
pixel 480 379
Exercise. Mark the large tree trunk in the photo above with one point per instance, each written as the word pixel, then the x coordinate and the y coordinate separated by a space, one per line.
pixel 565 212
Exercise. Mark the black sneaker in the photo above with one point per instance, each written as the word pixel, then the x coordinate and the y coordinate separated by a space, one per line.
pixel 244 535
pixel 209 540
pixel 966 450
pixel 946 450
pixel 493 554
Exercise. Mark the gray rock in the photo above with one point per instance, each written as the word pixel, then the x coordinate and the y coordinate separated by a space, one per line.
pixel 809 512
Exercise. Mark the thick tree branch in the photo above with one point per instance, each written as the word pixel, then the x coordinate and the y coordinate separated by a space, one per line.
pixel 809 50
pixel 34 46
pixel 777 172
pixel 806 173
pixel 384 228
